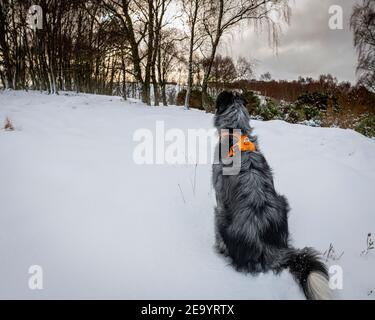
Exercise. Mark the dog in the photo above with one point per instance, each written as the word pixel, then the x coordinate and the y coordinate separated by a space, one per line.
pixel 251 218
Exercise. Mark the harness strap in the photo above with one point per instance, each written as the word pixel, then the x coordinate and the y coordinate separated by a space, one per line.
pixel 243 143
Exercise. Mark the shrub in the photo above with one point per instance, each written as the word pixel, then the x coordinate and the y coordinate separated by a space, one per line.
pixel 180 100
pixel 195 100
pixel 312 123
pixel 302 112
pixel 8 125
pixel 314 99
pixel 366 126
pixel 211 104
pixel 252 101
pixel 294 115
pixel 269 111
pixel 310 112
pixel 319 100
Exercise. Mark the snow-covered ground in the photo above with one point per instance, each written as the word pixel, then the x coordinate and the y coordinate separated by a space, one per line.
pixel 73 201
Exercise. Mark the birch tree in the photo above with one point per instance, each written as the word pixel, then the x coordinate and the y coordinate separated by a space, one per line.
pixel 192 9
pixel 363 24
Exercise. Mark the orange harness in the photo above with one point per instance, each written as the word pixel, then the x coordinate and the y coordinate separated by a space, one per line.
pixel 243 143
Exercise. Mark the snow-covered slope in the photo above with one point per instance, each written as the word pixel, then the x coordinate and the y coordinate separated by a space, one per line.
pixel 73 201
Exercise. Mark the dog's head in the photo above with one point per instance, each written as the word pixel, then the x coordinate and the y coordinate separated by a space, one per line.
pixel 231 112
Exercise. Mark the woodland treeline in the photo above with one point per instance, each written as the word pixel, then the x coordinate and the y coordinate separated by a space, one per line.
pixel 106 46
pixel 95 46
pixel 353 100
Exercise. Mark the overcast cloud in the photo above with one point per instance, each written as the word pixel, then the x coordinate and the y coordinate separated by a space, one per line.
pixel 308 46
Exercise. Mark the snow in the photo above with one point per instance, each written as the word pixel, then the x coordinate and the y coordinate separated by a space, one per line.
pixel 73 201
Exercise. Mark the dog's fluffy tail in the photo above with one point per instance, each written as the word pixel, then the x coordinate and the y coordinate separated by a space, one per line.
pixel 308 271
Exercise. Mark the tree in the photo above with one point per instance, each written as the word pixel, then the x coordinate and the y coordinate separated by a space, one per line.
pixel 223 70
pixel 222 15
pixel 266 77
pixel 160 11
pixel 244 69
pixel 142 22
pixel 133 17
pixel 7 65
pixel 169 56
pixel 77 48
pixel 362 23
pixel 191 9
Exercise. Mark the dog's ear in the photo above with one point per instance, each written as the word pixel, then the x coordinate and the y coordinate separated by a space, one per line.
pixel 224 100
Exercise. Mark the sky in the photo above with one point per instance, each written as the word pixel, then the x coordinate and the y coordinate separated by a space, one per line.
pixel 308 47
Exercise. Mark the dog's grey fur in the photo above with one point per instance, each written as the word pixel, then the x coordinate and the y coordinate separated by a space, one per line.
pixel 251 218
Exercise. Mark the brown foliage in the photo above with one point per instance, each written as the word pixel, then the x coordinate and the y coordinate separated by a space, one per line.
pixel 354 101
pixel 8 125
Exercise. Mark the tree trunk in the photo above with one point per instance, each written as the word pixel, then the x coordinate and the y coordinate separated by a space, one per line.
pixel 5 48
pixel 191 49
pixel 123 77
pixel 155 87
pixel 164 94
pixel 146 93
pixel 215 44
pixel 205 102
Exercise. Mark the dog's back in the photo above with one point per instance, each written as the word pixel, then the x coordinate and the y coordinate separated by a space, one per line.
pixel 253 221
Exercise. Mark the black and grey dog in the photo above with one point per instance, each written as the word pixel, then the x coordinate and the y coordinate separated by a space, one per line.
pixel 251 218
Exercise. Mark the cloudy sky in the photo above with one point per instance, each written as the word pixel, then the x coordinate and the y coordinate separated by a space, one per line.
pixel 308 46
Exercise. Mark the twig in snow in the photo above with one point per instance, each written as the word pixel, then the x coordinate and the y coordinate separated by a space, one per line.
pixel 192 185
pixel 331 254
pixel 195 178
pixel 182 194
pixel 370 245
